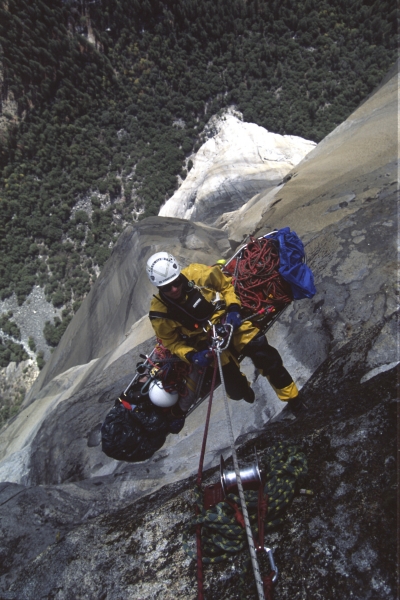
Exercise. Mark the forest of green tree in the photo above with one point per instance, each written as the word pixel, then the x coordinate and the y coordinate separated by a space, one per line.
pixel 98 89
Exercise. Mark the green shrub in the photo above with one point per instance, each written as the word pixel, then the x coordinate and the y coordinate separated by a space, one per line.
pixel 76 305
pixel 53 332
pixel 40 360
pixel 58 298
pixel 11 352
pixel 100 118
pixel 32 344
pixel 8 326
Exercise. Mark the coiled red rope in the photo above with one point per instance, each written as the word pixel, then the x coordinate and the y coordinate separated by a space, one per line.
pixel 256 278
pixel 173 374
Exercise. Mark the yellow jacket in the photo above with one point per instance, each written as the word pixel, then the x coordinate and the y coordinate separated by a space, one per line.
pixel 214 286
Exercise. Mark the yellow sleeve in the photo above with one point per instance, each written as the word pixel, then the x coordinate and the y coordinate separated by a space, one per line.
pixel 223 284
pixel 166 331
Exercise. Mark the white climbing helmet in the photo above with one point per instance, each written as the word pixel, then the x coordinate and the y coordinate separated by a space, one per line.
pixel 162 268
pixel 160 397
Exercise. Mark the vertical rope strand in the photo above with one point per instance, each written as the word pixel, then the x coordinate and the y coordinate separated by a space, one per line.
pixel 254 562
pixel 203 447
pixel 200 585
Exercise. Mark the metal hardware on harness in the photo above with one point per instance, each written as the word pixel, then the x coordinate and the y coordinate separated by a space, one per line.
pixel 263 330
pixel 210 326
pixel 140 370
pixel 153 372
pixel 273 567
pixel 219 340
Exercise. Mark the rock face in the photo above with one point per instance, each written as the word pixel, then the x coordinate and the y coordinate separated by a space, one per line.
pixel 67 511
pixel 342 174
pixel 31 317
pixel 237 162
pixel 15 379
pixel 79 538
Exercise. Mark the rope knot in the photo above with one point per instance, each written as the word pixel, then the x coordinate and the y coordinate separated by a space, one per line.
pixel 237 512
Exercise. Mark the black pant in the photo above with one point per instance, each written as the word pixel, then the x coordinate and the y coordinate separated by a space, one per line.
pixel 268 360
pixel 235 382
pixel 265 358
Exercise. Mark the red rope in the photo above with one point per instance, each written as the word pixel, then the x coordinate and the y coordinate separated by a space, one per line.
pixel 256 278
pixel 200 588
pixel 174 374
pixel 237 512
pixel 268 586
pixel 262 514
pixel 203 447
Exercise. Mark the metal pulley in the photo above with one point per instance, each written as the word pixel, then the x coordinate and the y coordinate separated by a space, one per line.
pixel 250 476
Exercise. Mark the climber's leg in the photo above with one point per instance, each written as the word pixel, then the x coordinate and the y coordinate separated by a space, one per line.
pixel 268 360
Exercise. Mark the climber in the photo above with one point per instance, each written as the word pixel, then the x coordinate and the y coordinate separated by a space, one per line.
pixel 187 301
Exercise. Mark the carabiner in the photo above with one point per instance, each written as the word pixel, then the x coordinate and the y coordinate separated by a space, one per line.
pixel 217 340
pixel 273 567
pixel 221 342
pixel 210 325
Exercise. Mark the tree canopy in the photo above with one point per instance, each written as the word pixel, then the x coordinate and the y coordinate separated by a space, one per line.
pixel 103 101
